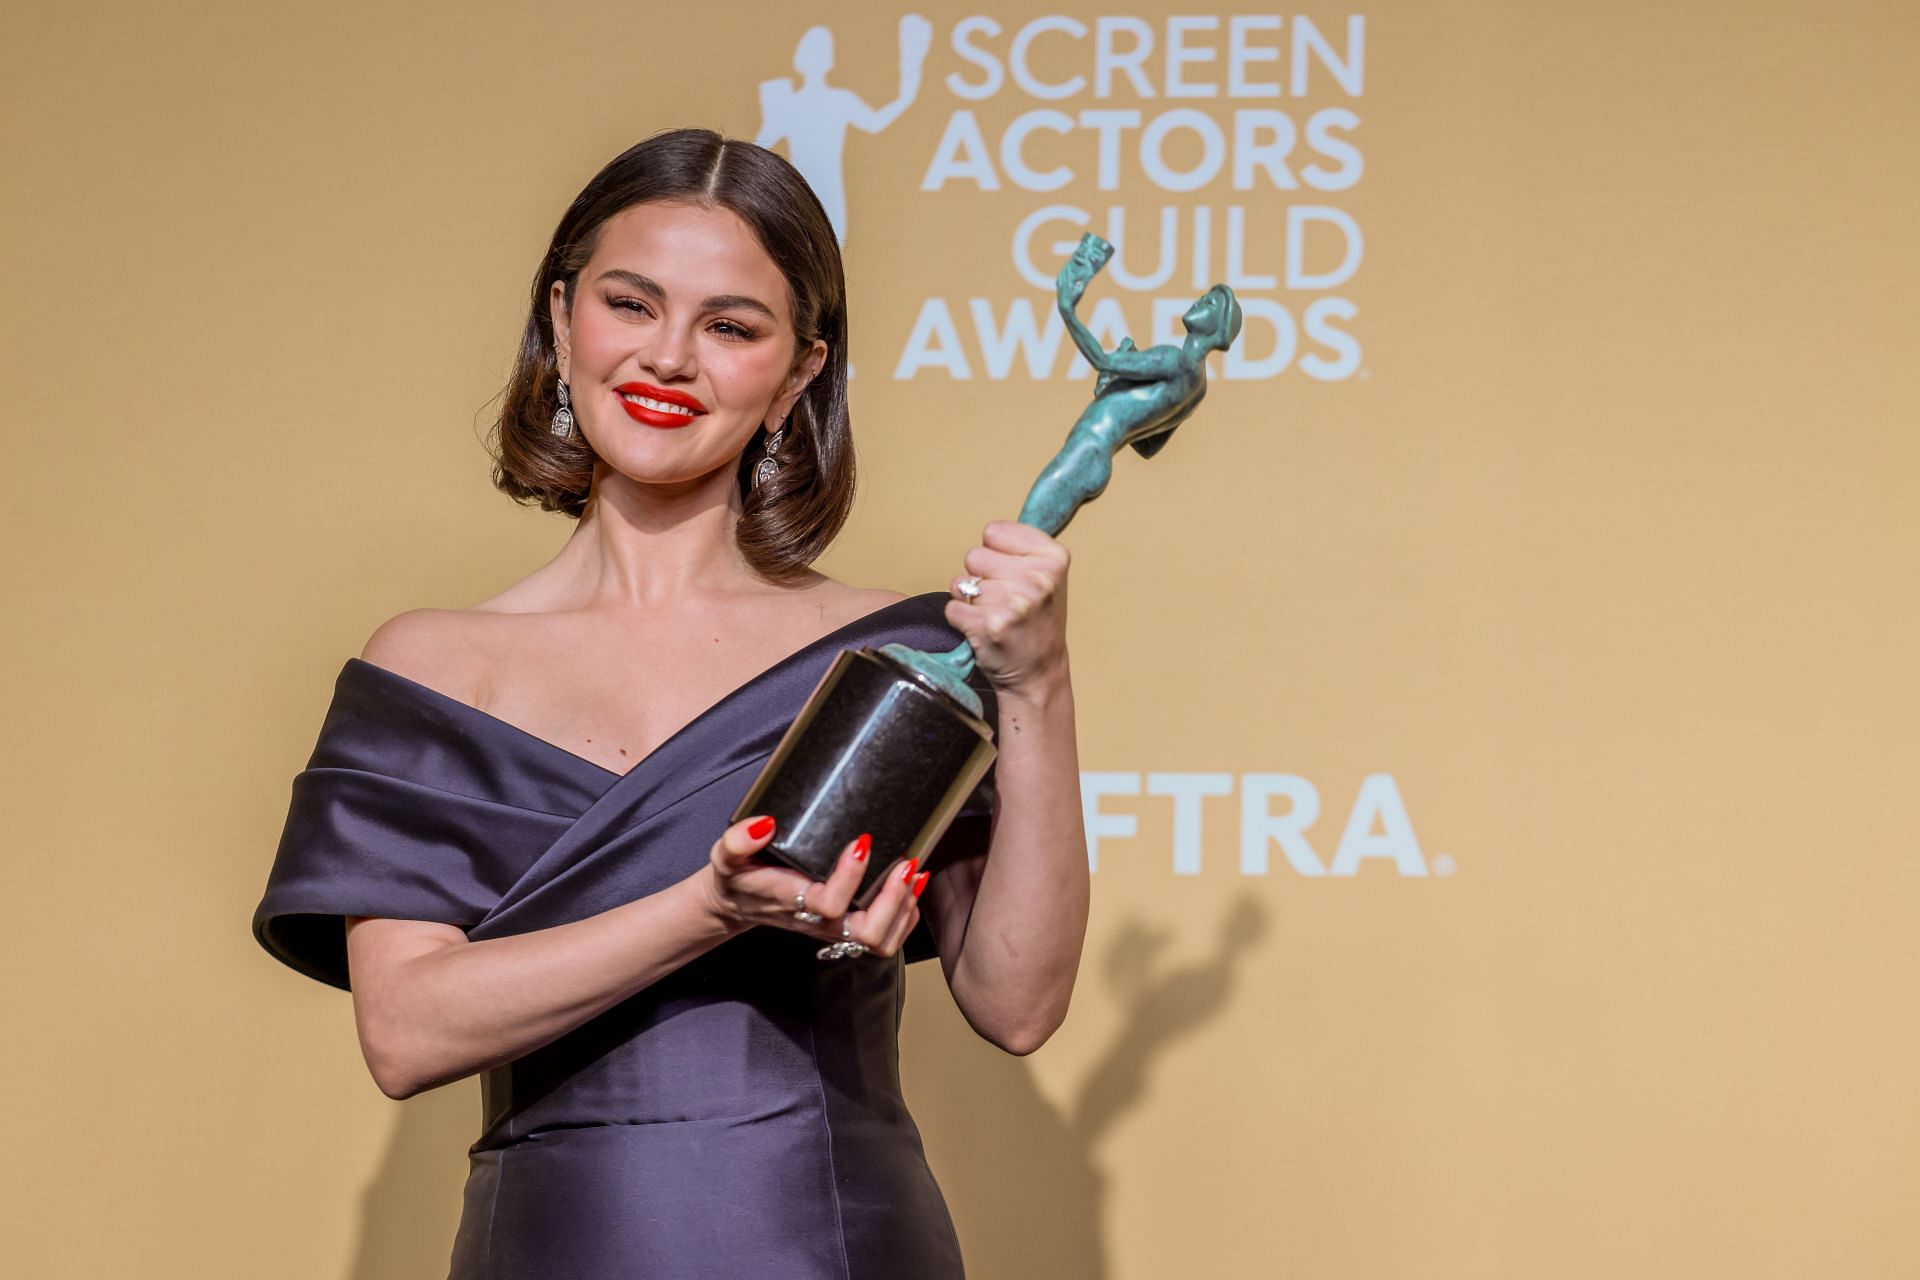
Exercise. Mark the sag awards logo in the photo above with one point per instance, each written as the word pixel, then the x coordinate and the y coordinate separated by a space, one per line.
pixel 1205 148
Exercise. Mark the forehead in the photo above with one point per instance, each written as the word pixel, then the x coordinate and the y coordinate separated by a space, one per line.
pixel 693 252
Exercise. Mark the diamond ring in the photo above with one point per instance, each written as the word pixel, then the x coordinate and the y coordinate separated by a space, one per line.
pixel 801 913
pixel 969 589
pixel 844 948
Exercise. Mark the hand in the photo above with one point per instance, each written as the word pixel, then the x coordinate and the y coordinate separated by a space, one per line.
pixel 916 37
pixel 1085 262
pixel 1018 625
pixel 744 891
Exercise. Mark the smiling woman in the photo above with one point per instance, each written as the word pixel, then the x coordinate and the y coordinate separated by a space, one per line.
pixel 513 841
pixel 689 197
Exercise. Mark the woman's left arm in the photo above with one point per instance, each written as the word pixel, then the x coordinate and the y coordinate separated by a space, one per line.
pixel 1010 925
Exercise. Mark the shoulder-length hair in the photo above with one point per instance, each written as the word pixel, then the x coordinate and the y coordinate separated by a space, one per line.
pixel 791 517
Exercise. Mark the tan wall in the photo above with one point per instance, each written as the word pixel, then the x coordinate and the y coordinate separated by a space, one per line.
pixel 1602 558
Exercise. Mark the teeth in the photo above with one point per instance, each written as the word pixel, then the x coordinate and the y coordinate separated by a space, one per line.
pixel 659 406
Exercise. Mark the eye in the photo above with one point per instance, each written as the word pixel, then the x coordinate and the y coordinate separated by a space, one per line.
pixel 729 329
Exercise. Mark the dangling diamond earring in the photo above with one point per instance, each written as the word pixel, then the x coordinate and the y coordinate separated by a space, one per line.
pixel 765 468
pixel 563 416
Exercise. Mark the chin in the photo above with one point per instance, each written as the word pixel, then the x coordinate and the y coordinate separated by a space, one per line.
pixel 649 467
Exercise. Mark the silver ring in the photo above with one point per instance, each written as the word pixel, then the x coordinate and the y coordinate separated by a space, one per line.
pixel 969 589
pixel 843 949
pixel 801 913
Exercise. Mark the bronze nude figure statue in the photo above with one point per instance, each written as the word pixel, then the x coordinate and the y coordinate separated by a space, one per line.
pixel 1139 398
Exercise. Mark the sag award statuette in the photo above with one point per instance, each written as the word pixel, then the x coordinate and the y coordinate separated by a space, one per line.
pixel 892 740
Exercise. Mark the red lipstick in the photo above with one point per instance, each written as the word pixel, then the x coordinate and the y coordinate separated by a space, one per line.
pixel 657 416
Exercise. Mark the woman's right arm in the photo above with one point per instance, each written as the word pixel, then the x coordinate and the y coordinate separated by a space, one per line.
pixel 432 1006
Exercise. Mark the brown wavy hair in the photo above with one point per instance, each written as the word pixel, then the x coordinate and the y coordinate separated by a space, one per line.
pixel 790 519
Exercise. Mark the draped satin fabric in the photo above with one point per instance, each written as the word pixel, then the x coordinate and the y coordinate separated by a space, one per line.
pixel 740 1117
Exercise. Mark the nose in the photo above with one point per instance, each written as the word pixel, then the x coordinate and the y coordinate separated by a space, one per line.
pixel 671 354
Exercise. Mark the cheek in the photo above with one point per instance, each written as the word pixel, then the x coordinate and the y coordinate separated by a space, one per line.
pixel 598 344
pixel 746 378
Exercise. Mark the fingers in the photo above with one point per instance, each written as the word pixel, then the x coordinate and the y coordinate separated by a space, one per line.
pixel 834 897
pixel 987 564
pixel 897 936
pixel 884 925
pixel 763 894
pixel 733 852
pixel 827 899
pixel 1022 539
pixel 903 924
pixel 1028 567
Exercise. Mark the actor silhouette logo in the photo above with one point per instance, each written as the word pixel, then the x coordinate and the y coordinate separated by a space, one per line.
pixel 1072 125
pixel 813 117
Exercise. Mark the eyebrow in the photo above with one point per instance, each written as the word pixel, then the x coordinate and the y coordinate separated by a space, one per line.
pixel 718 302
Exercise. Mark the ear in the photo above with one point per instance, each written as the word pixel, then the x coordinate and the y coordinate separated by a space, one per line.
pixel 562 320
pixel 804 371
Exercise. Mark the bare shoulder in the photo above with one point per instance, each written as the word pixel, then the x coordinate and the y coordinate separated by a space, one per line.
pixel 428 646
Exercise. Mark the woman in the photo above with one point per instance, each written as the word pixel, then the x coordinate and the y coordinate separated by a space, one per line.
pixel 504 843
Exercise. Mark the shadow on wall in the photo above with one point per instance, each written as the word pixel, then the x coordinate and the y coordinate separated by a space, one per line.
pixel 411 1209
pixel 1023 1178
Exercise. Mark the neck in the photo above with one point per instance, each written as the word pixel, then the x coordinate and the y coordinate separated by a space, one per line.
pixel 651 546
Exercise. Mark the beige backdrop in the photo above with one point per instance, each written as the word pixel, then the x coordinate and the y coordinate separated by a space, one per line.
pixel 1591 583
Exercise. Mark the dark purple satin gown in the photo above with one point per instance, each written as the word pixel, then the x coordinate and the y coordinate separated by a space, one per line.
pixel 743 1116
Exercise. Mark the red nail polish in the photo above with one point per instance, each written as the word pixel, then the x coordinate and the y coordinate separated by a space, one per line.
pixel 860 847
pixel 906 872
pixel 759 827
pixel 920 882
